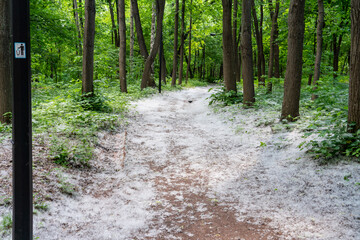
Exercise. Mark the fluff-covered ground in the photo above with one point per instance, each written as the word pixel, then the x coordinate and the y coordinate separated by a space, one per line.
pixel 190 173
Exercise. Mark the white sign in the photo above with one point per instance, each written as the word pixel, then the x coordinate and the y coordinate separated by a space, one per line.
pixel 20 50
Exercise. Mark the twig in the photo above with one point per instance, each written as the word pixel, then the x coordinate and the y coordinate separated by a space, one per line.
pixel 123 151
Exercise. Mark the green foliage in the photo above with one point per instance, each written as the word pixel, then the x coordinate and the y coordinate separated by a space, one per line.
pixel 5 224
pixel 224 97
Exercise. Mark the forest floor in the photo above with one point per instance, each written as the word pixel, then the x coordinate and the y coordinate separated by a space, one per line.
pixel 194 172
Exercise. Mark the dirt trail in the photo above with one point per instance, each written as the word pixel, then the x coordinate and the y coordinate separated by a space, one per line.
pixel 192 174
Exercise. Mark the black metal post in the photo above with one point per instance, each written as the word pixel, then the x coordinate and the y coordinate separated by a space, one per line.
pixel 22 133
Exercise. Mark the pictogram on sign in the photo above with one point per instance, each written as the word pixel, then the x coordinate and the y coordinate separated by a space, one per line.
pixel 20 50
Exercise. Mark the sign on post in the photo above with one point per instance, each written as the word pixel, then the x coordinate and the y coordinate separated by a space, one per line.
pixel 22 133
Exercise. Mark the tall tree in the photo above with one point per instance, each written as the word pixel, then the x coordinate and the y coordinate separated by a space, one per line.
pixel 122 50
pixel 228 48
pixel 246 53
pixel 273 44
pixel 139 32
pixel 78 27
pixel 5 60
pixel 319 40
pixel 235 41
pixel 259 43
pixel 146 77
pixel 132 35
pixel 354 83
pixel 188 69
pixel 88 52
pixel 114 27
pixel 182 43
pixel 153 30
pixel 292 84
pixel 176 33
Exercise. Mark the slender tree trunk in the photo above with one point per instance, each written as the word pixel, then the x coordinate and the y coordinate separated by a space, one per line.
pixel 258 37
pixel 146 78
pixel 235 41
pixel 292 85
pixel 132 35
pixel 122 50
pixel 5 62
pixel 139 32
pixel 163 69
pixel 153 30
pixel 262 55
pixel 182 43
pixel 114 27
pixel 273 36
pixel 88 53
pixel 81 19
pixel 336 48
pixel 204 63
pixel 319 31
pixel 78 27
pixel 188 69
pixel 176 33
pixel 354 83
pixel 228 48
pixel 246 53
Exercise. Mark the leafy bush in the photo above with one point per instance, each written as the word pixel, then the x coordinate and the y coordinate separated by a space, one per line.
pixel 224 97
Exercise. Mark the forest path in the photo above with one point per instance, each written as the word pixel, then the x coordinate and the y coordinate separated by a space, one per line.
pixel 188 148
pixel 192 174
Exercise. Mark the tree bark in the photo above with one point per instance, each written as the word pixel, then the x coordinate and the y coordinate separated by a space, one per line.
pixel 132 35
pixel 319 39
pixel 78 27
pixel 354 83
pixel 146 78
pixel 292 84
pixel 273 37
pixel 188 69
pixel 246 54
pixel 114 27
pixel 153 30
pixel 228 48
pixel 176 33
pixel 5 62
pixel 336 49
pixel 258 38
pixel 139 32
pixel 122 45
pixel 235 41
pixel 88 52
pixel 182 43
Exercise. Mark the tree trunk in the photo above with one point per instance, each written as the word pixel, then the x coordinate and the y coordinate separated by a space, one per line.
pixel 5 62
pixel 182 43
pixel 153 30
pixel 258 38
pixel 228 48
pixel 139 32
pixel 132 35
pixel 319 31
pixel 78 27
pixel 114 27
pixel 273 36
pixel 176 32
pixel 88 53
pixel 203 63
pixel 292 84
pixel 354 83
pixel 146 78
pixel 188 69
pixel 336 48
pixel 235 41
pixel 246 54
pixel 163 60
pixel 122 50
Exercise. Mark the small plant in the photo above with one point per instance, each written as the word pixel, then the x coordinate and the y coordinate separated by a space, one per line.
pixel 224 97
pixel 5 201
pixel 65 186
pixel 5 224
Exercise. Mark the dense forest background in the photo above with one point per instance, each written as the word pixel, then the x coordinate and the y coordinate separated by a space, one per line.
pixel 86 55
